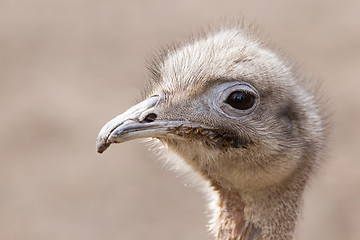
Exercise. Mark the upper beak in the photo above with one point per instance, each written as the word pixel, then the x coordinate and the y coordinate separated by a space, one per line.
pixel 139 121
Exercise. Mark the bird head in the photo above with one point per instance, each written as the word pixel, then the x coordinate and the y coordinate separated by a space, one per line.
pixel 230 108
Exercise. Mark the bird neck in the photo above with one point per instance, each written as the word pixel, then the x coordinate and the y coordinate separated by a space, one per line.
pixel 231 223
pixel 270 215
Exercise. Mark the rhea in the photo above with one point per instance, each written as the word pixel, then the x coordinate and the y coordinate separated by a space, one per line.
pixel 238 115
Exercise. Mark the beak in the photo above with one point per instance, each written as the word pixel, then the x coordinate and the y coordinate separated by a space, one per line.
pixel 139 121
pixel 130 125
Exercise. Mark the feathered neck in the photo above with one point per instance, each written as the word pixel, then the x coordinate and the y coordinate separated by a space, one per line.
pixel 231 223
pixel 270 216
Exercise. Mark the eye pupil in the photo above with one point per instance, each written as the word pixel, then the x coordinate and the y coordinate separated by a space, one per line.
pixel 241 100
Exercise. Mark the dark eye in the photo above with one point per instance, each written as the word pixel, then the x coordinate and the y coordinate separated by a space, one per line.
pixel 241 100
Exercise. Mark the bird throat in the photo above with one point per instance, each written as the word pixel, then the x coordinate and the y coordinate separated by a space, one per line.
pixel 231 223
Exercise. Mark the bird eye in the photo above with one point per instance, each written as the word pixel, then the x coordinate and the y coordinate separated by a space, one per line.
pixel 235 99
pixel 241 100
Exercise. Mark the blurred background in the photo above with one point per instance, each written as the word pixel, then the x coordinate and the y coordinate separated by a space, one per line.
pixel 67 67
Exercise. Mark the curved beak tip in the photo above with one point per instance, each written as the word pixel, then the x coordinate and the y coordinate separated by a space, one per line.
pixel 102 145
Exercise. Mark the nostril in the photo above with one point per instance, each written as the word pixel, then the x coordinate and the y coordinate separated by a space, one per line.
pixel 149 118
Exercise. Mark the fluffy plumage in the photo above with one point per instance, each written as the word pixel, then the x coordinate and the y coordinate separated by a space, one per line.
pixel 258 159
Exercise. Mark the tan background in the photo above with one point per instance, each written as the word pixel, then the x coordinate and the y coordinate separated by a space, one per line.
pixel 67 67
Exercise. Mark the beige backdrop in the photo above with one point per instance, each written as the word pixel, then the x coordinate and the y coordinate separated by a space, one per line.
pixel 67 67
